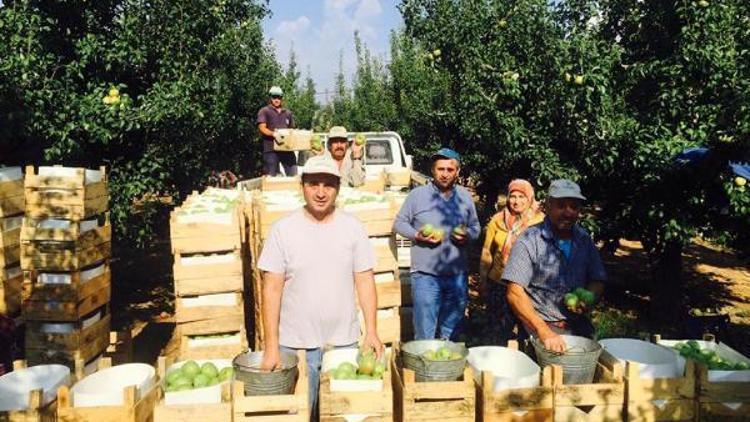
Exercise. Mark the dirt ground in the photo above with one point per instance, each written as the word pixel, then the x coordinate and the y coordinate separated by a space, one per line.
pixel 142 297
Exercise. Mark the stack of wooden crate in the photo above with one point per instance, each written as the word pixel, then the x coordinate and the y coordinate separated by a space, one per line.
pixel 376 211
pixel 207 235
pixel 12 205
pixel 65 250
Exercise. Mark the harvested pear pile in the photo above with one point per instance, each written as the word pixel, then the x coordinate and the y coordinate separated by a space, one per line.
pixel 191 375
pixel 442 353
pixel 367 368
pixel 692 350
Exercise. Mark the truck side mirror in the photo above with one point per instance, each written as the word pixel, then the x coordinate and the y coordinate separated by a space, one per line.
pixel 409 161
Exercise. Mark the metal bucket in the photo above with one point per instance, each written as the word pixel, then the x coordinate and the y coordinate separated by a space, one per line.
pixel 431 370
pixel 578 361
pixel 265 383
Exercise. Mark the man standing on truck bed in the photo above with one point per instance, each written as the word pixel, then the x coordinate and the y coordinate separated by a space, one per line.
pixel 271 118
pixel 348 160
pixel 440 219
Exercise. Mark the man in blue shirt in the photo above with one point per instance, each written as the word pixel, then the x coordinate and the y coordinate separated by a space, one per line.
pixel 440 219
pixel 548 261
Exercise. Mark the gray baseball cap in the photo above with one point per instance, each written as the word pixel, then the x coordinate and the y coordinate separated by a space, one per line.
pixel 564 188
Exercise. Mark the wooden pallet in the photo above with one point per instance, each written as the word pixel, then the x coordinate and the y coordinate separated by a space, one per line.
pixel 11 281
pixel 61 256
pixel 36 411
pixel 82 343
pixel 70 198
pixel 602 400
pixel 199 279
pixel 677 395
pixel 135 407
pixel 517 404
pixel 432 401
pixel 12 198
pixel 185 312
pixel 282 408
pixel 336 405
pixel 205 236
pixel 218 412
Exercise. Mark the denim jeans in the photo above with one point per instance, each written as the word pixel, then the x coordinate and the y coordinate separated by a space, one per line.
pixel 271 160
pixel 439 304
pixel 313 358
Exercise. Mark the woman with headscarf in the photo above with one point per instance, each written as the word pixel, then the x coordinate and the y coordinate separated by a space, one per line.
pixel 520 211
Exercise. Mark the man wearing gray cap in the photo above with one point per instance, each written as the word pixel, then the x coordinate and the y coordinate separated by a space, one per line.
pixel 314 262
pixel 550 260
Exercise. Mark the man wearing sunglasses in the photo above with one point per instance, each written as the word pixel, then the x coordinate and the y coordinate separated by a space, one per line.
pixel 272 117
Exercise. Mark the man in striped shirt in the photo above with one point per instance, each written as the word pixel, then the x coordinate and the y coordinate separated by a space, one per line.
pixel 550 260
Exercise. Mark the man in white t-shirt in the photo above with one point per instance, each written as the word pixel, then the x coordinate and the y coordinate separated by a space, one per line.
pixel 313 261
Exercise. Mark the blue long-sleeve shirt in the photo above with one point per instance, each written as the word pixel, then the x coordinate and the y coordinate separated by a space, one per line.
pixel 426 205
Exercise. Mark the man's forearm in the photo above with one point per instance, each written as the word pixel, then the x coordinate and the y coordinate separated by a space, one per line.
pixel 521 304
pixel 368 299
pixel 271 313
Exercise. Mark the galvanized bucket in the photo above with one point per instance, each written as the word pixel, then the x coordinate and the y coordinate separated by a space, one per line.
pixel 431 370
pixel 265 383
pixel 578 361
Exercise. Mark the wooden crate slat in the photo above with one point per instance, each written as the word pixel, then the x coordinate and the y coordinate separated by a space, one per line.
pixel 535 403
pixel 12 198
pixel 78 180
pixel 205 236
pixel 389 294
pixel 208 278
pixel 11 236
pixel 10 256
pixel 672 410
pixel 604 398
pixel 278 408
pixel 222 324
pixel 41 256
pixel 102 233
pixel 10 292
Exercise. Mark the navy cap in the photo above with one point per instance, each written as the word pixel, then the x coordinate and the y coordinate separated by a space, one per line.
pixel 446 153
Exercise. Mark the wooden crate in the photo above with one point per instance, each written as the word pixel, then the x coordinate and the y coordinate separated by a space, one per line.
pixel 432 401
pixel 293 407
pixel 602 400
pixel 722 401
pixel 10 231
pixel 198 308
pixel 135 407
pixel 269 183
pixel 188 346
pixel 385 253
pixel 389 293
pixel 292 140
pixel 36 412
pixel 218 412
pixel 11 281
pixel 188 236
pixel 389 324
pixel 336 405
pixel 76 285
pixel 265 216
pixel 377 218
pixel 398 177
pixel 517 404
pixel 374 184
pixel 81 343
pixel 12 198
pixel 120 349
pixel 196 275
pixel 92 295
pixel 10 255
pixel 61 256
pixel 676 395
pixel 75 233
pixel 68 197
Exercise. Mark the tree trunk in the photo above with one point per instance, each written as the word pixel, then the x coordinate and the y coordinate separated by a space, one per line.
pixel 668 289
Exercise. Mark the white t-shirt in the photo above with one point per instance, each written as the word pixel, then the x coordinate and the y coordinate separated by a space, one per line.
pixel 318 261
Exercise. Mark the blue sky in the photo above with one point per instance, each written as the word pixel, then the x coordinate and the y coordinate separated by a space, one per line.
pixel 320 30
